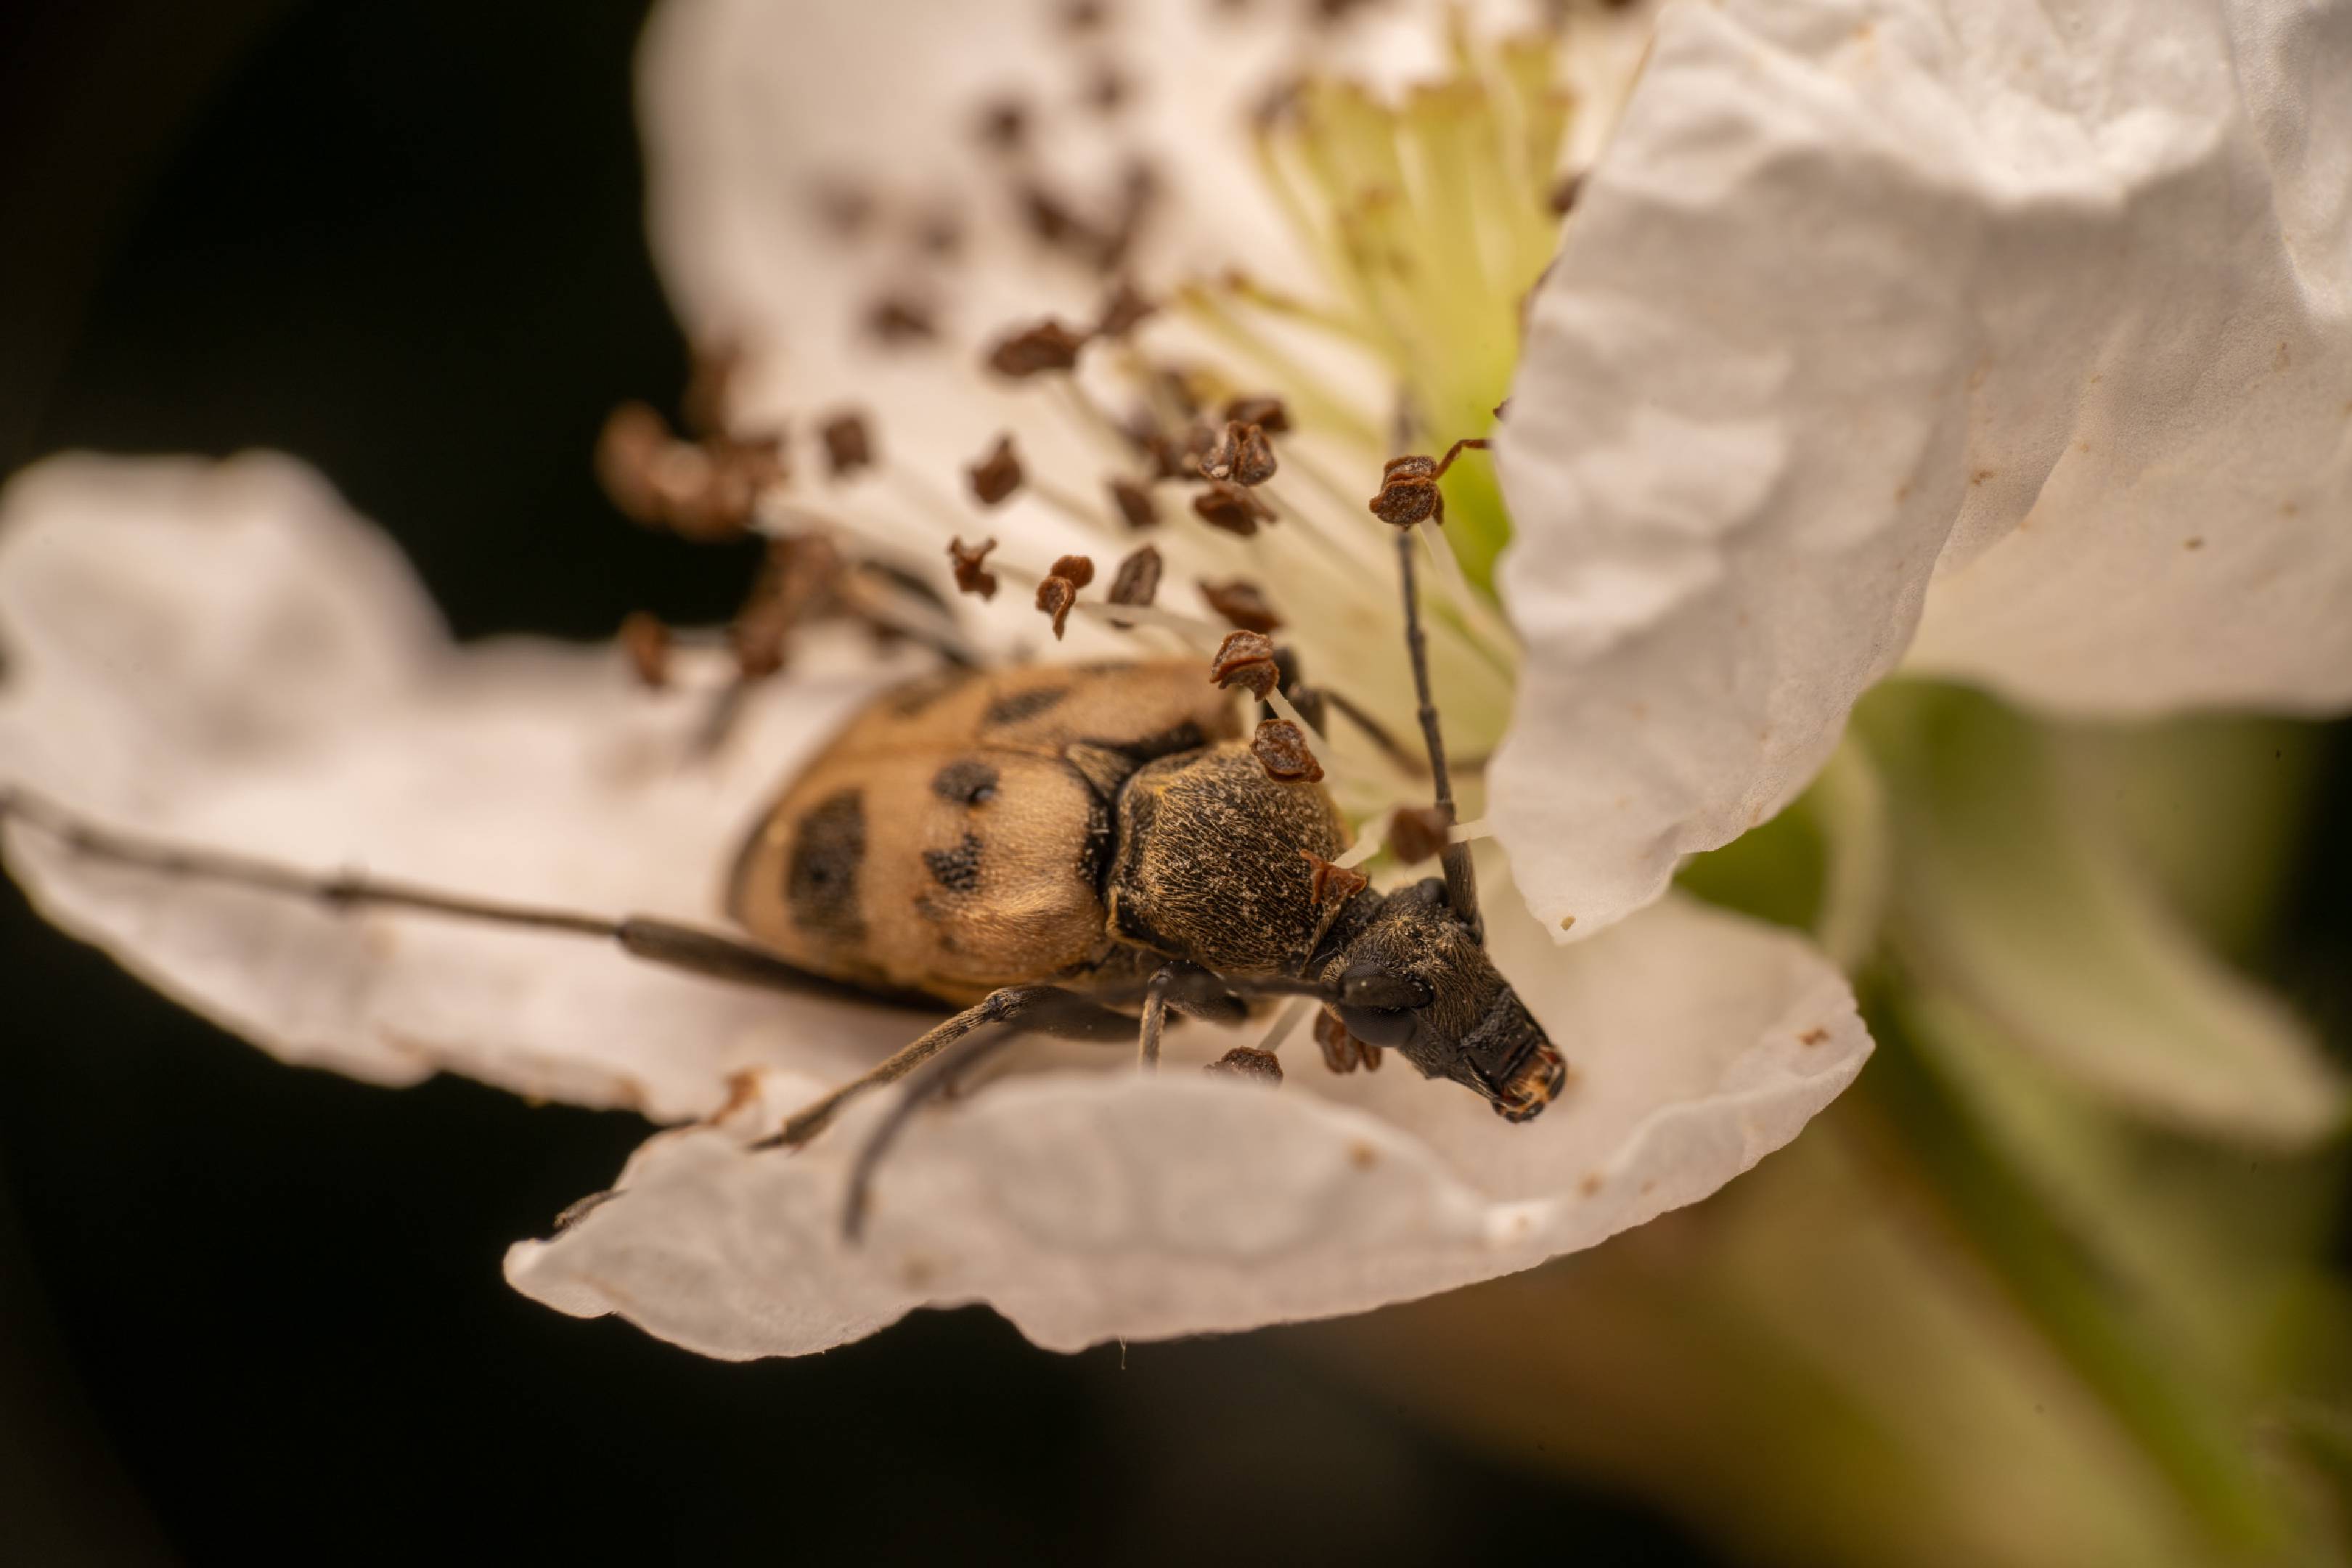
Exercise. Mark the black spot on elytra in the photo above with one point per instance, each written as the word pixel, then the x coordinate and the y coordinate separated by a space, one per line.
pixel 967 781
pixel 1016 706
pixel 956 869
pixel 821 879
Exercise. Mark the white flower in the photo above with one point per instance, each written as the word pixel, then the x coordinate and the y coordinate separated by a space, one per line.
pixel 1802 225
pixel 220 655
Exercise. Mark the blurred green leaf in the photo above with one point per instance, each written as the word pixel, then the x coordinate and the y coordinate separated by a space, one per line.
pixel 2018 892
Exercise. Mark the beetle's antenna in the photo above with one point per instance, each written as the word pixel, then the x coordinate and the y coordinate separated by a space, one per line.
pixel 1461 878
pixel 665 943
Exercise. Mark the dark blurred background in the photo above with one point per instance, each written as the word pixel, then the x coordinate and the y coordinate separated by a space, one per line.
pixel 249 1312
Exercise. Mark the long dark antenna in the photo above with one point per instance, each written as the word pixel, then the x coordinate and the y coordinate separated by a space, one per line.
pixel 1461 878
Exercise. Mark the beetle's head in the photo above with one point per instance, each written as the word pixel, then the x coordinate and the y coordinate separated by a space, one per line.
pixel 1416 979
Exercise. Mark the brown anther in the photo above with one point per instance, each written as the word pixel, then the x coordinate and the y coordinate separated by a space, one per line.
pixel 704 405
pixel 646 642
pixel 1409 492
pixel 1057 596
pixel 1004 125
pixel 971 575
pixel 701 491
pixel 1179 456
pixel 1052 222
pixel 1242 602
pixel 848 445
pixel 797 582
pixel 1242 454
pixel 1181 386
pixel 629 452
pixel 1230 508
pixel 1106 87
pixel 845 208
pixel 899 319
pixel 1337 883
pixel 1280 747
pixel 1125 309
pixel 1564 192
pixel 1416 833
pixel 997 475
pixel 1246 659
pixel 1268 414
pixel 1078 569
pixel 1249 1065
pixel 1135 504
pixel 939 233
pixel 1136 582
pixel 1035 349
pixel 1342 1052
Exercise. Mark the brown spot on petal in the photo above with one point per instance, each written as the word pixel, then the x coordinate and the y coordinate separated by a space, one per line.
pixel 1280 747
pixel 1362 1155
pixel 1243 604
pixel 1247 1064
pixel 996 476
pixel 1336 883
pixel 646 642
pixel 1417 833
pixel 1814 1036
pixel 1564 192
pixel 2194 541
pixel 1036 349
pixel 1246 659
pixel 1137 581
pixel 971 576
pixel 1135 504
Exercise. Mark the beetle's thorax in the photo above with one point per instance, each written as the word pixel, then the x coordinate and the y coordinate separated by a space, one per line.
pixel 1209 866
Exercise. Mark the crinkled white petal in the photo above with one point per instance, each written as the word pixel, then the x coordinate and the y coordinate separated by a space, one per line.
pixel 222 653
pixel 2047 304
pixel 1090 1206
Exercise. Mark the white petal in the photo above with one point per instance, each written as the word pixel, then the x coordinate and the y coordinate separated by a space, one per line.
pixel 1089 1206
pixel 752 111
pixel 2051 303
pixel 221 654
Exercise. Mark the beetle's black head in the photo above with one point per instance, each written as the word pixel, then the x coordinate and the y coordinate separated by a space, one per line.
pixel 1414 978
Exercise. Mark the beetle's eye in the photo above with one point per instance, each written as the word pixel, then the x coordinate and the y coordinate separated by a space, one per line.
pixel 1378 1026
pixel 1383 990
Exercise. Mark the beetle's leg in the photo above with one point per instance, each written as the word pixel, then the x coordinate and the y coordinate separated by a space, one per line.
pixel 666 942
pixel 955 1047
pixel 1036 1009
pixel 1155 1019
